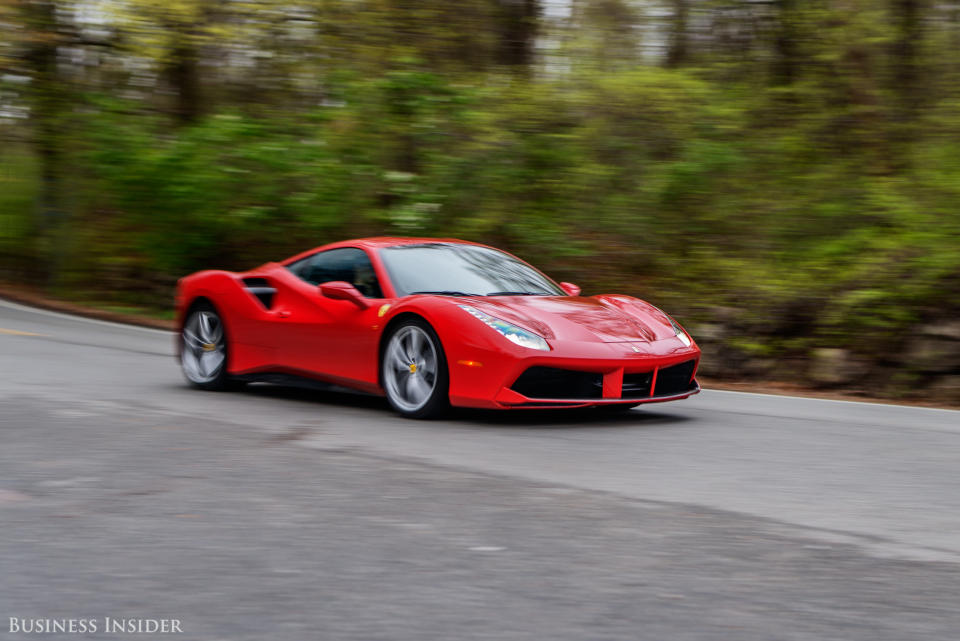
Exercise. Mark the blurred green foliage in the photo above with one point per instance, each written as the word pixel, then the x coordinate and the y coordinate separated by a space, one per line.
pixel 789 171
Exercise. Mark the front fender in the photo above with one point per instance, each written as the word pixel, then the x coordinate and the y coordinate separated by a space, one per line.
pixel 478 358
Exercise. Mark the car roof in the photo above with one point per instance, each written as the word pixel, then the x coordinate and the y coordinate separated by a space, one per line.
pixel 379 242
pixel 392 241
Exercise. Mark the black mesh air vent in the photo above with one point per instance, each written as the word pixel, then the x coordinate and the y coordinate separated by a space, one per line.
pixel 552 382
pixel 637 385
pixel 675 379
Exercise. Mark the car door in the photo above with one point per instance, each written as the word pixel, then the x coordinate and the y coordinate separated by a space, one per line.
pixel 318 335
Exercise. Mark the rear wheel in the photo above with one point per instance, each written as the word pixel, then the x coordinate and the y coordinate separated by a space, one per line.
pixel 413 369
pixel 203 348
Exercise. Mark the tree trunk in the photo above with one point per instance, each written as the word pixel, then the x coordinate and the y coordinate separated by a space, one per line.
pixel 906 15
pixel 785 61
pixel 46 99
pixel 185 78
pixel 518 32
pixel 677 50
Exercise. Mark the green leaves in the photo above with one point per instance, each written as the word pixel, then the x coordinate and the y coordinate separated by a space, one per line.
pixel 797 162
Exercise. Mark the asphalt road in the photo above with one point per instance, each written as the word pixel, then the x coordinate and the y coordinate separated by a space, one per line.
pixel 277 513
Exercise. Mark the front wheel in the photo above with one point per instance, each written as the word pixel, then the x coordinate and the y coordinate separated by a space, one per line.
pixel 413 369
pixel 203 348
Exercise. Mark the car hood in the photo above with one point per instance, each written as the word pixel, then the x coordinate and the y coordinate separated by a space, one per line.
pixel 607 319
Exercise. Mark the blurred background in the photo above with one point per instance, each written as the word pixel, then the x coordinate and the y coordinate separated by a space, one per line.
pixel 781 175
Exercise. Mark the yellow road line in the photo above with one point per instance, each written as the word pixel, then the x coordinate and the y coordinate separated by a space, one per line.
pixel 16 332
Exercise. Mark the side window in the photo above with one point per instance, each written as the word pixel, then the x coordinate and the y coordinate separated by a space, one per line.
pixel 348 264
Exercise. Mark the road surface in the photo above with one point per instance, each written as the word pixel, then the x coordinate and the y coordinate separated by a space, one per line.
pixel 278 513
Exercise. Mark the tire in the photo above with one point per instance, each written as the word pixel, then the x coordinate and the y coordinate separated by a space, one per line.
pixel 413 370
pixel 203 348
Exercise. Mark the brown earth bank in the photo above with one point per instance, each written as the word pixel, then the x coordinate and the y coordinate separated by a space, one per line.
pixel 36 298
pixel 824 368
pixel 919 364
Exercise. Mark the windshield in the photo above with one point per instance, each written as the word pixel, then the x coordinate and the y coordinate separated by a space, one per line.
pixel 462 270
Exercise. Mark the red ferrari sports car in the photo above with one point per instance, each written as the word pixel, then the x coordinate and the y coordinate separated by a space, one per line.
pixel 430 323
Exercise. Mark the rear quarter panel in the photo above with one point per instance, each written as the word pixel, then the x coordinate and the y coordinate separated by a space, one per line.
pixel 243 316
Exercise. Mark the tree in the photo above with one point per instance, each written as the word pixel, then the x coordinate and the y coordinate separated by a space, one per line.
pixel 786 46
pixel 677 48
pixel 517 23
pixel 47 99
pixel 907 43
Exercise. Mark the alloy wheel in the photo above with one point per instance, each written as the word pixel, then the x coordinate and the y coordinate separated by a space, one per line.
pixel 410 368
pixel 203 354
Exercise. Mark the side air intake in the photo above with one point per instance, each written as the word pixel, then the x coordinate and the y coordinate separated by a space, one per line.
pixel 260 289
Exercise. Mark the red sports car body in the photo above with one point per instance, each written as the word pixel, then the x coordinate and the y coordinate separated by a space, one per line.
pixel 443 320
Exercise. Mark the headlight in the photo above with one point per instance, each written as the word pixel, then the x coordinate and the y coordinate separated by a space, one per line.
pixel 682 335
pixel 511 332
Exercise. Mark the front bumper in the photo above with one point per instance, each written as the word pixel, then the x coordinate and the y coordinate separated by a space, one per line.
pixel 614 373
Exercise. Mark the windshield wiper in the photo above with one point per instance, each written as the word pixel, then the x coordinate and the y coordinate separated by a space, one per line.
pixel 445 292
pixel 518 294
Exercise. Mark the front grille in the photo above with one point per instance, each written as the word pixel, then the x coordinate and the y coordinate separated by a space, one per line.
pixel 637 385
pixel 675 379
pixel 553 382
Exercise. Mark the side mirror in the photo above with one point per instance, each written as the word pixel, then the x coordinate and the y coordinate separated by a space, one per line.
pixel 570 288
pixel 342 290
